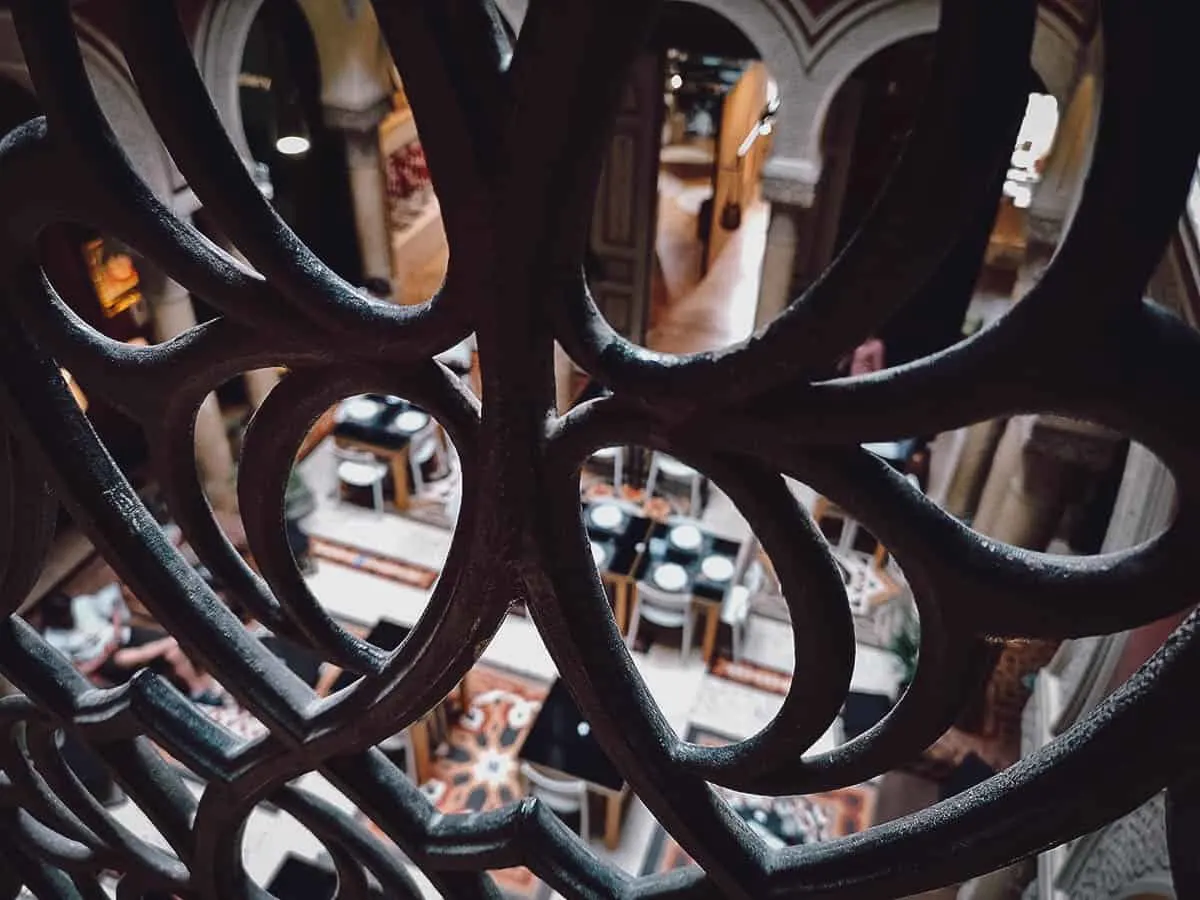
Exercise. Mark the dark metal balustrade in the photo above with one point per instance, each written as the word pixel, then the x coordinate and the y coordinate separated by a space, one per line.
pixel 515 138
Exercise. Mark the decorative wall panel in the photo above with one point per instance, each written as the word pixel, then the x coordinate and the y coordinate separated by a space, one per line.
pixel 515 140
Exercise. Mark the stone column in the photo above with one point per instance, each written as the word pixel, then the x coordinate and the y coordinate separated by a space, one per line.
pixel 564 371
pixel 974 463
pixel 790 187
pixel 259 383
pixel 173 314
pixel 368 185
pixel 775 290
pixel 1001 467
pixel 1040 462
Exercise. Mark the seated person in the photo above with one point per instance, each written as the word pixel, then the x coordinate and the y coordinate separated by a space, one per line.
pixel 93 631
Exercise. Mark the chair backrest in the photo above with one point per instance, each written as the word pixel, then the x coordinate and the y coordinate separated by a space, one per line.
pixel 423 445
pixel 677 601
pixel 747 553
pixel 351 454
pixel 565 795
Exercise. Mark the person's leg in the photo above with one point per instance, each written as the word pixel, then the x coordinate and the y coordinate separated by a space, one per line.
pixel 149 648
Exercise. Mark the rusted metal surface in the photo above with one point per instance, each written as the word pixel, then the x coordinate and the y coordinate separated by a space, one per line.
pixel 515 139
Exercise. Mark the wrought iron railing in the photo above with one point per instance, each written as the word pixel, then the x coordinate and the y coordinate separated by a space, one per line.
pixel 515 139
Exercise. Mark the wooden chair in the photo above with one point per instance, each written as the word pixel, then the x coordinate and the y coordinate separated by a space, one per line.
pixel 360 469
pixel 664 609
pixel 567 797
pixel 614 456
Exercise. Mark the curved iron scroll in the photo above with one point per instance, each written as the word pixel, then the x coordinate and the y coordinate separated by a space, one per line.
pixel 515 138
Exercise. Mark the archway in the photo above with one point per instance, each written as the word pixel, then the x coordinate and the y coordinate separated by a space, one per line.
pixel 720 109
pixel 771 28
pixel 280 109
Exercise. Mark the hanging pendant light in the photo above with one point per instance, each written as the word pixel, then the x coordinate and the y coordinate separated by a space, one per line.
pixel 294 137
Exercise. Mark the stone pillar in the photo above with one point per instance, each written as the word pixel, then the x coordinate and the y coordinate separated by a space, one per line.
pixel 1003 465
pixel 1145 501
pixel 775 290
pixel 174 314
pixel 974 463
pixel 790 187
pixel 368 185
pixel 1038 466
pixel 259 383
pixel 564 372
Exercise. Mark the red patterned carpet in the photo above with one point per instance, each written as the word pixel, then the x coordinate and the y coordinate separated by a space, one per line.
pixel 478 770
pixel 389 567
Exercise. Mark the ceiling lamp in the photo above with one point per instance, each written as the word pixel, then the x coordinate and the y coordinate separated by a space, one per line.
pixel 293 145
pixel 290 123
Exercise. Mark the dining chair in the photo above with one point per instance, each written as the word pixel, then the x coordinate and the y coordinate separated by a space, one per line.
pixel 565 796
pixel 666 609
pixel 361 469
pixel 663 466
pixel 614 456
pixel 425 445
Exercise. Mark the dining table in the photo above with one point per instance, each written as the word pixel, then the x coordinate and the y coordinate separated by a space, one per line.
pixel 426 732
pixel 561 743
pixel 617 533
pixel 681 556
pixel 384 426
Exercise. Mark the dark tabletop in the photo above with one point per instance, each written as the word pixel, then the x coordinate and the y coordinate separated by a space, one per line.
pixel 386 636
pixel 299 879
pixel 623 545
pixel 659 550
pixel 381 430
pixel 556 742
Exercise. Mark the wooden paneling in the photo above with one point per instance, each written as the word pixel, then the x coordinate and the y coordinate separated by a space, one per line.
pixel 623 220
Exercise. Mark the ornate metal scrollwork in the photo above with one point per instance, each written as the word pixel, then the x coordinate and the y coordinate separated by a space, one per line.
pixel 514 137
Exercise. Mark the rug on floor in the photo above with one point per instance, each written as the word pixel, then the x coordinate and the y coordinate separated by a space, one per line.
pixel 778 821
pixel 389 567
pixel 477 769
pixel 752 675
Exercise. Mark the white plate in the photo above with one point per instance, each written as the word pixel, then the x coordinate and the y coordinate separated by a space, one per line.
pixel 686 537
pixel 597 553
pixel 717 568
pixel 411 420
pixel 670 577
pixel 606 516
pixel 360 409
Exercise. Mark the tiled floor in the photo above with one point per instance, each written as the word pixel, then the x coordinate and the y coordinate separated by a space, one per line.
pixel 717 310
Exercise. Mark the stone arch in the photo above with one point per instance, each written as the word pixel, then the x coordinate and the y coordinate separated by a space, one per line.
pixel 1054 56
pixel 353 60
pixel 219 47
pixel 118 100
pixel 773 29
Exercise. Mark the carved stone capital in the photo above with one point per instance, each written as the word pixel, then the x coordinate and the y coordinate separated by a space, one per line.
pixel 1043 229
pixel 364 120
pixel 1073 441
pixel 1131 851
pixel 790 181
